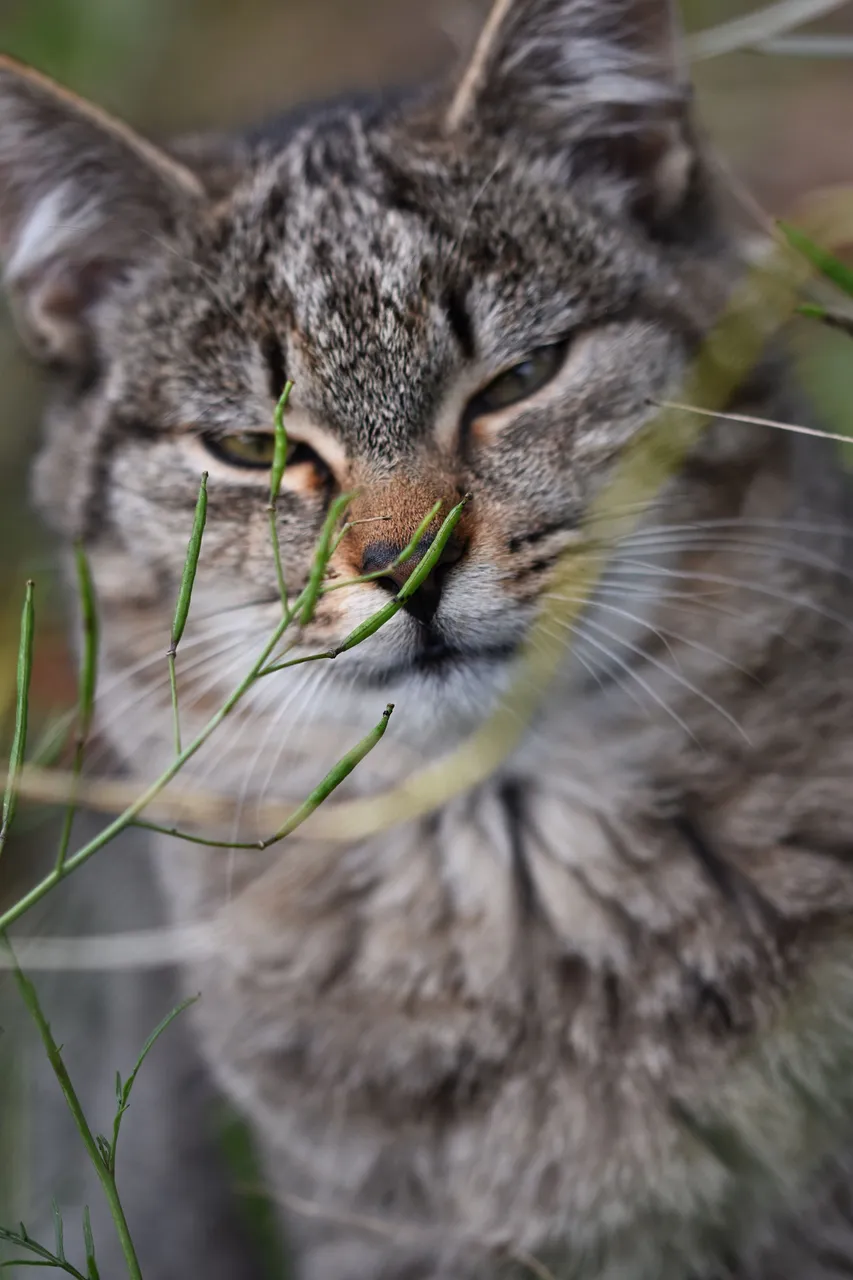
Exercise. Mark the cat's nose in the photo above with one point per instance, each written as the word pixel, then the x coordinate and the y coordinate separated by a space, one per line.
pixel 380 557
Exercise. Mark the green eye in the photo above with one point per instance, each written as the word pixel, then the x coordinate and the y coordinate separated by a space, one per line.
pixel 519 382
pixel 243 448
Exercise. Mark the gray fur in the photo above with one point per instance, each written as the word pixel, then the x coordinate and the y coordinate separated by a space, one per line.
pixel 598 1010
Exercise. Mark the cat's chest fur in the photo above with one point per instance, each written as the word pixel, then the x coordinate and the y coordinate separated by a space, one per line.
pixel 527 1011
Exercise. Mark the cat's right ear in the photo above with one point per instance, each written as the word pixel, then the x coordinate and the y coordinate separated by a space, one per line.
pixel 590 87
pixel 83 199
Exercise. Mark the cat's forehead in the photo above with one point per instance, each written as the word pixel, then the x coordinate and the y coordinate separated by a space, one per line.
pixel 354 288
pixel 371 283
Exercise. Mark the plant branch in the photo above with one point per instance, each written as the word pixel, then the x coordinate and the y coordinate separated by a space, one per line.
pixel 22 703
pixel 87 686
pixel 182 607
pixel 102 1169
pixel 277 471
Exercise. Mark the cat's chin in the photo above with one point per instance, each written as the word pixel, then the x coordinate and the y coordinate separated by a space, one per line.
pixel 439 663
pixel 440 698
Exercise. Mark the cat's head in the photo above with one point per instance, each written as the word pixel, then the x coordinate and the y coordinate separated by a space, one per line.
pixel 474 291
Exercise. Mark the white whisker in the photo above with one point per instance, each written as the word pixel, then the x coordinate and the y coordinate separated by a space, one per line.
pixel 752 420
pixel 674 675
pixel 637 679
pixel 783 597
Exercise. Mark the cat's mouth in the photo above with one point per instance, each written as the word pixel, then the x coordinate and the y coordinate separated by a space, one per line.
pixel 435 656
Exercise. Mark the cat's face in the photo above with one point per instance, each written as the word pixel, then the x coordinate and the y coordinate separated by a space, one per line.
pixel 475 295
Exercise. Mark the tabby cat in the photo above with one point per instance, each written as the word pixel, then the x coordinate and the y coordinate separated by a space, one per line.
pixel 594 1014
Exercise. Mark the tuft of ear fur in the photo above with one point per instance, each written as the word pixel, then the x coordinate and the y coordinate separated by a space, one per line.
pixel 589 83
pixel 81 197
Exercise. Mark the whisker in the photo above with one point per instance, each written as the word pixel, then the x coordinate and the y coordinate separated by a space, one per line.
pixel 565 598
pixel 186 671
pixel 688 601
pixel 752 420
pixel 306 685
pixel 192 674
pixel 662 633
pixel 754 523
pixel 783 597
pixel 577 628
pixel 674 675
pixel 701 542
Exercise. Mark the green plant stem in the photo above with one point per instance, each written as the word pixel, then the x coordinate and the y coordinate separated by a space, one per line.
pixel 43 1257
pixel 182 607
pixel 833 319
pixel 123 1091
pixel 322 556
pixel 351 524
pixel 87 686
pixel 22 704
pixel 332 780
pixel 406 554
pixel 276 550
pixel 171 658
pixel 821 259
pixel 279 466
pixel 259 668
pixel 105 1176
pixel 132 811
pixel 377 620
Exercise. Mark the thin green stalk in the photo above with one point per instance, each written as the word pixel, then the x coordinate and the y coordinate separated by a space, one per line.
pixel 276 476
pixel 173 690
pixel 124 819
pixel 43 1256
pixel 105 1176
pixel 259 668
pixel 833 319
pixel 124 1090
pixel 87 685
pixel 372 624
pixel 332 780
pixel 351 524
pixel 22 705
pixel 89 1245
pixel 406 554
pixel 322 556
pixel 821 259
pixel 177 834
pixel 185 594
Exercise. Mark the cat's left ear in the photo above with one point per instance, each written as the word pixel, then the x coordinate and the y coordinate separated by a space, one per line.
pixel 83 201
pixel 594 86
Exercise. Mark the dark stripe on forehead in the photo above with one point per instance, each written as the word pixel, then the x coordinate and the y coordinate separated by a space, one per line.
pixel 455 305
pixel 273 357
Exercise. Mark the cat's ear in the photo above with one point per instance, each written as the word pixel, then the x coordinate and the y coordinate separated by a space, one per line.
pixel 595 84
pixel 82 200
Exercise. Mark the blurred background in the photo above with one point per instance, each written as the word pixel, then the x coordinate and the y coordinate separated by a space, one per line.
pixel 781 117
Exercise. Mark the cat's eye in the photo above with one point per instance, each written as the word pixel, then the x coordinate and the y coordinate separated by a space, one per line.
pixel 520 382
pixel 243 448
pixel 256 449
